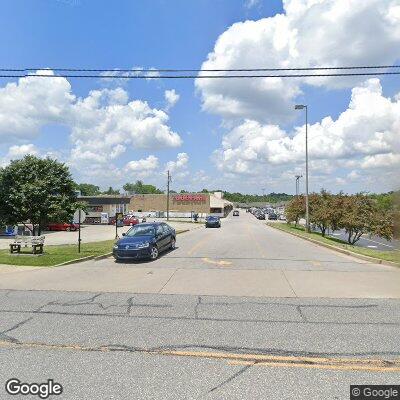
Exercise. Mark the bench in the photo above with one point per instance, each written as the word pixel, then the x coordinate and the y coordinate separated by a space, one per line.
pixel 36 242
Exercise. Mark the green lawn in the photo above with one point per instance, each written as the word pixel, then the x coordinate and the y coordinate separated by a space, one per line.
pixel 393 256
pixel 54 255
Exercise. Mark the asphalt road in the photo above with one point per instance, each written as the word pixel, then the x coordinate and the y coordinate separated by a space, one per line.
pixel 102 337
pixel 372 242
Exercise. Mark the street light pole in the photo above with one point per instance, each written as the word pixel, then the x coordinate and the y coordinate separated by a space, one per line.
pixel 302 107
pixel 298 183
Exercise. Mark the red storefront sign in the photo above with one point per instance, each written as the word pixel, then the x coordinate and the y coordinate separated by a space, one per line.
pixel 190 197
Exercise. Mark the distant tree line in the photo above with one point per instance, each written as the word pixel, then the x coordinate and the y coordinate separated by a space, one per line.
pixel 357 214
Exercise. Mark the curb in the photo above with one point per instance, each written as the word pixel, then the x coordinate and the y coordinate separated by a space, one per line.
pixel 338 249
pixel 75 261
pixel 106 255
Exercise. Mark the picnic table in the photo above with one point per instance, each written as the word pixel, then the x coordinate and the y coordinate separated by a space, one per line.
pixel 36 242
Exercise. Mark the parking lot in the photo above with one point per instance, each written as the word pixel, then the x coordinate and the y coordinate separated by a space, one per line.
pixel 94 233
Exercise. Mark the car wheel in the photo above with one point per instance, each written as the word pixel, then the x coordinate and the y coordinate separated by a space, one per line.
pixel 173 243
pixel 154 253
pixel 68 228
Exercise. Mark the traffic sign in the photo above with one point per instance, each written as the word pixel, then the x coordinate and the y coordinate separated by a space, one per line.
pixel 76 217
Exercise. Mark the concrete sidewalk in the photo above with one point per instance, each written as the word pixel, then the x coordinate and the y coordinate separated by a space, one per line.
pixel 95 276
pixel 95 233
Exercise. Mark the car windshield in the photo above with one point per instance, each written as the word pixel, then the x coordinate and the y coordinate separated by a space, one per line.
pixel 141 230
pixel 212 218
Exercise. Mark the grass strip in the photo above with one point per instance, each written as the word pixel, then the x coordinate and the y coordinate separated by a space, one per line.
pixel 389 255
pixel 54 255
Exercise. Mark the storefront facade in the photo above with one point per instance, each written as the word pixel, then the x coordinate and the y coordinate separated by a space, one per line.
pixel 98 208
pixel 182 204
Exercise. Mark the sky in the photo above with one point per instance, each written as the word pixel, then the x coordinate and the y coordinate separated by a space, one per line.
pixel 235 135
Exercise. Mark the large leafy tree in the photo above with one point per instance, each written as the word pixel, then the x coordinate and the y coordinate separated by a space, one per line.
pixel 111 191
pixel 36 190
pixel 325 210
pixel 362 215
pixel 87 189
pixel 295 209
pixel 140 188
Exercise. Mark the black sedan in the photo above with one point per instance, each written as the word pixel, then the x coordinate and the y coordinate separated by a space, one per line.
pixel 145 241
pixel 213 222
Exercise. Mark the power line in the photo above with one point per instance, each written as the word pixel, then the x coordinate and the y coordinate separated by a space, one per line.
pixel 200 76
pixel 154 70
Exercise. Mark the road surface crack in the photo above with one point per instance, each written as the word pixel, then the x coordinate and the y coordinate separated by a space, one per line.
pixel 8 338
pixel 231 378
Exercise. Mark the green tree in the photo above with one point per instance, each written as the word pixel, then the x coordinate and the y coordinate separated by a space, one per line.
pixel 111 191
pixel 361 215
pixel 295 210
pixel 140 188
pixel 88 189
pixel 396 214
pixel 325 210
pixel 37 191
pixel 129 188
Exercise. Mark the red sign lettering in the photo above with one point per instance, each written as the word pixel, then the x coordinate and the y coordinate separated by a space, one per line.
pixel 190 197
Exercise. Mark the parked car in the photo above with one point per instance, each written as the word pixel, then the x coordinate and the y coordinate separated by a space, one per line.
pixel 236 213
pixel 260 216
pixel 145 241
pixel 130 220
pixel 62 226
pixel 111 221
pixel 272 216
pixel 213 222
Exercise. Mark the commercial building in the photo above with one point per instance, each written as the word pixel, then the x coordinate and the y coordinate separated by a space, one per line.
pixel 100 208
pixel 183 203
pixel 180 205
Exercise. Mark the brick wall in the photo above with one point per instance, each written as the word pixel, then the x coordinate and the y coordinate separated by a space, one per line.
pixel 198 202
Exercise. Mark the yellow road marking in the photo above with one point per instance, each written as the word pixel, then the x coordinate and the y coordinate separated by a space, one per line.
pixel 360 364
pixel 198 244
pixel 221 263
pixel 316 263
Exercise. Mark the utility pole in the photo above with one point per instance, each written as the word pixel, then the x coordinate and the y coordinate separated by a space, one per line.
pixel 305 107
pixel 168 182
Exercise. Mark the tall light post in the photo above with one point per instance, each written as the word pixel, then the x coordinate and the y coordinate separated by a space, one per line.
pixel 298 183
pixel 304 107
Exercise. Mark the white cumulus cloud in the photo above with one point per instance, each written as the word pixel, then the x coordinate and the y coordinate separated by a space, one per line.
pixel 365 136
pixel 178 168
pixel 148 165
pixel 171 97
pixel 310 33
pixel 103 125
